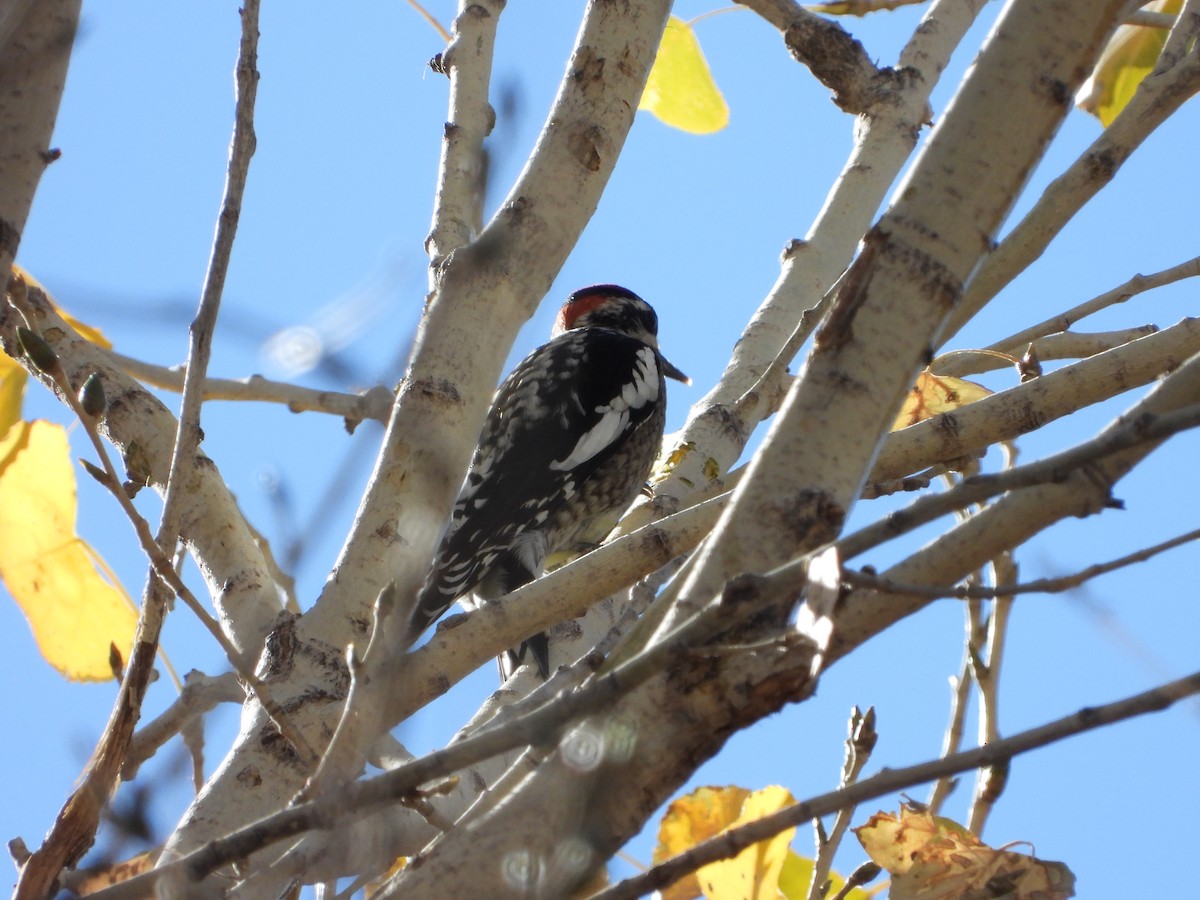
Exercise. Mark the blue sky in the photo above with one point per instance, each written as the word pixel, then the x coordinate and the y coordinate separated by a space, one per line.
pixel 330 248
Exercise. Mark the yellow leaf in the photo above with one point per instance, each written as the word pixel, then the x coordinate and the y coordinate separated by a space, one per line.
pixel 1130 56
pixel 704 812
pixel 936 394
pixel 12 390
pixel 680 90
pixel 87 332
pixel 754 873
pixel 796 875
pixel 936 859
pixel 75 614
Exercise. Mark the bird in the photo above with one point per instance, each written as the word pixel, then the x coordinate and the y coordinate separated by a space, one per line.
pixel 567 446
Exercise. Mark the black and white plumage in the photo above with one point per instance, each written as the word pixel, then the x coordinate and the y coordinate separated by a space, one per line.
pixel 567 446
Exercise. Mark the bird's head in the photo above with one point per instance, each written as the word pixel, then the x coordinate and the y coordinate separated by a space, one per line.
pixel 617 309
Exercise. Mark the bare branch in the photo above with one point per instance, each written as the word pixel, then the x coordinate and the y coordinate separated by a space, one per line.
pixel 1160 94
pixel 35 47
pixel 1027 407
pixel 837 60
pixel 1064 345
pixel 458 204
pixel 1125 433
pixel 860 743
pixel 989 663
pixel 187 438
pixel 1016 343
pixel 960 692
pixel 200 694
pixel 1054 585
pixel 75 828
pixel 732 842
pixel 720 424
pixel 429 17
pixel 375 403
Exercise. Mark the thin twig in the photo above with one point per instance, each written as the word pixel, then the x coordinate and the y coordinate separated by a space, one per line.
pixel 200 694
pixel 860 742
pixel 242 146
pixel 1016 343
pixel 1140 429
pixel 75 828
pixel 431 19
pixel 960 692
pixel 732 842
pixel 374 403
pixel 990 782
pixel 1039 586
pixel 1062 345
pixel 988 659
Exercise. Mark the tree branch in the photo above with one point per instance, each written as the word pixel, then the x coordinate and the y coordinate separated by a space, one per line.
pixel 1010 521
pixel 837 60
pixel 1126 432
pixel 1026 407
pixel 35 47
pixel 730 843
pixel 200 694
pixel 75 828
pixel 375 403
pixel 238 579
pixel 1016 343
pixel 458 202
pixel 1159 95
pixel 1055 585
pixel 720 424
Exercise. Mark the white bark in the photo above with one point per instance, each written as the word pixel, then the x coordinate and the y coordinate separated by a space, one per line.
pixel 143 430
pixel 719 425
pixel 1161 93
pixel 35 47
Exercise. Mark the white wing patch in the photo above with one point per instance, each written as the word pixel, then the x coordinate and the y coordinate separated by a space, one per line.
pixel 641 389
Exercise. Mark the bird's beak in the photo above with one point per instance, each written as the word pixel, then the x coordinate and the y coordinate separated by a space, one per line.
pixel 671 372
